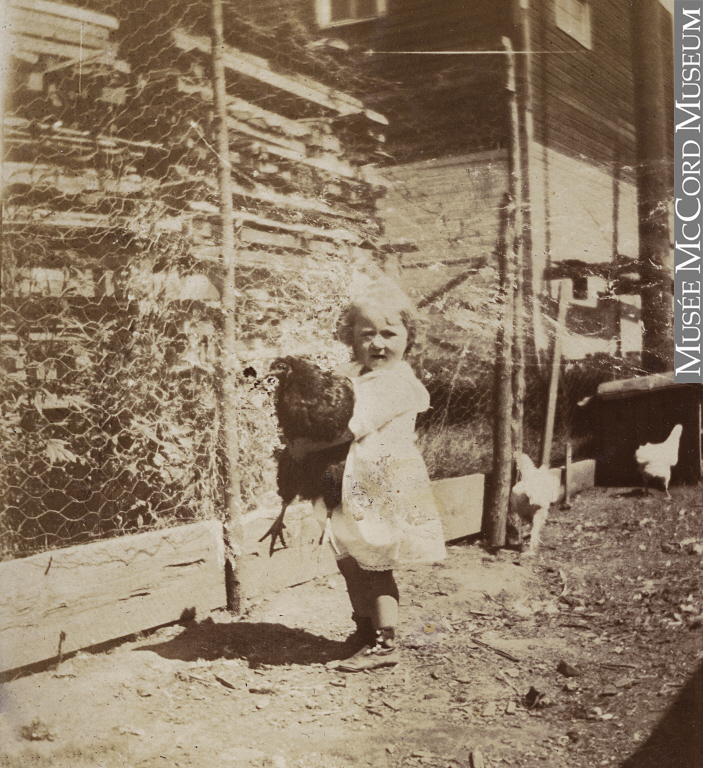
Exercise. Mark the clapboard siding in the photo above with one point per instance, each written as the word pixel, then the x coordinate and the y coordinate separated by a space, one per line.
pixel 573 210
pixel 431 25
pixel 448 207
pixel 584 98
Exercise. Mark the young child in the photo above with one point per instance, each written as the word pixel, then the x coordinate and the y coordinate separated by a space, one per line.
pixel 388 516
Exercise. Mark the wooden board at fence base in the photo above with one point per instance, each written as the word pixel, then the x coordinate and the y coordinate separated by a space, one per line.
pixel 583 475
pixel 460 504
pixel 302 560
pixel 92 593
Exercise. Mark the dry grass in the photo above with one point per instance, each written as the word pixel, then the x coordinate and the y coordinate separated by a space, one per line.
pixel 454 450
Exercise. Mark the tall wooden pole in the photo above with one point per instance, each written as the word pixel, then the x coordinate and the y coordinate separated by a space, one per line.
pixel 554 379
pixel 503 400
pixel 653 187
pixel 502 471
pixel 4 99
pixel 527 310
pixel 228 367
pixel 520 248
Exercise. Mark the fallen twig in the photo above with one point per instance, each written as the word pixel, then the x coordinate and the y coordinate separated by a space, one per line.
pixel 505 677
pixel 500 652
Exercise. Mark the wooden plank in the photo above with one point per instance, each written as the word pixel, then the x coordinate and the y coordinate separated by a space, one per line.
pixel 23 15
pixel 97 592
pixel 65 219
pixel 459 501
pixel 327 163
pixel 65 50
pixel 238 106
pixel 460 504
pixel 583 476
pixel 266 136
pixel 554 379
pixel 297 85
pixel 305 230
pixel 274 239
pixel 283 146
pixel 303 560
pixel 60 134
pixel 294 201
pixel 38 27
pixel 297 262
pixel 67 183
pixel 640 385
pixel 68 11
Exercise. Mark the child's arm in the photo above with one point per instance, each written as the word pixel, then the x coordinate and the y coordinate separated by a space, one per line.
pixel 382 397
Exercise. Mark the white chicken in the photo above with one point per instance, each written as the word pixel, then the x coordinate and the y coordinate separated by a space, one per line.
pixel 531 497
pixel 656 460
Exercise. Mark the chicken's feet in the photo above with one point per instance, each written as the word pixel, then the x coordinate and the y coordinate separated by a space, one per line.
pixel 276 532
pixel 327 535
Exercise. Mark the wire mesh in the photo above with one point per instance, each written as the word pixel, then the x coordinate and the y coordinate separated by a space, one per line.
pixel 112 319
pixel 111 314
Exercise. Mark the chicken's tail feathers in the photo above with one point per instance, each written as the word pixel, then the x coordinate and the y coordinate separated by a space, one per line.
pixel 523 465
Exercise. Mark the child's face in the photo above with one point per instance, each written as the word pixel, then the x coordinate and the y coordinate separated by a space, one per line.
pixel 378 343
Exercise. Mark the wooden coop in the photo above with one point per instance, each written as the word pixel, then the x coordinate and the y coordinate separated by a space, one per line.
pixel 631 412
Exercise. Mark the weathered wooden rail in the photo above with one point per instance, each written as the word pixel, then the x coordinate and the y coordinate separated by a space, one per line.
pixel 58 602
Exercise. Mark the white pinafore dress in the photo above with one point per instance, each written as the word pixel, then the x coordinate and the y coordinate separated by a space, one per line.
pixel 388 515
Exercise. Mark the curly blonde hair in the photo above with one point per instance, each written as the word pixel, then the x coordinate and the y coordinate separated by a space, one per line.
pixel 386 296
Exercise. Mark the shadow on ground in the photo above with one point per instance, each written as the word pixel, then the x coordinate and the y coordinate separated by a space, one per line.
pixel 677 739
pixel 257 643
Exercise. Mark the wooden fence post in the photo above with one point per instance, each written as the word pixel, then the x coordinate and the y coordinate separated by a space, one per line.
pixel 554 380
pixel 654 193
pixel 503 399
pixel 508 240
pixel 521 242
pixel 228 362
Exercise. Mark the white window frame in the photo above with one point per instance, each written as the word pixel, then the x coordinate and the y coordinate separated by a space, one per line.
pixel 323 14
pixel 568 22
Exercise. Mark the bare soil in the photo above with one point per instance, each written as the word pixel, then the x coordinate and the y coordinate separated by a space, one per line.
pixel 572 658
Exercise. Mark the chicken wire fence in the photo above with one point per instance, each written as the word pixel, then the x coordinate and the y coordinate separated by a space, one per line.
pixel 112 321
pixel 458 365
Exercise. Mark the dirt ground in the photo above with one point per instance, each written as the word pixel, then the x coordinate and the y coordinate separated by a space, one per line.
pixel 567 659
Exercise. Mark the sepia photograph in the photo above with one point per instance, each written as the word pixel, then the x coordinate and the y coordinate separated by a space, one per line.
pixel 351 405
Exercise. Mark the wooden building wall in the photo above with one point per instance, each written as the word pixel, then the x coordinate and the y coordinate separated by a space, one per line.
pixel 449 207
pixel 441 105
pixel 583 99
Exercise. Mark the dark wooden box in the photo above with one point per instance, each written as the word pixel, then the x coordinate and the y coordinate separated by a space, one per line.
pixel 632 412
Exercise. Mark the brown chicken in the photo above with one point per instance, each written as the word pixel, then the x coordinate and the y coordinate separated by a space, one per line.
pixel 313 406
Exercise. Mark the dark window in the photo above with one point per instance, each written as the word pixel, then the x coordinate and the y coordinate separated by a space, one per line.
pixel 339 11
pixel 580 288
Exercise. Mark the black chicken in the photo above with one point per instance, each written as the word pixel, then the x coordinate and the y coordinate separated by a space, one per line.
pixel 316 405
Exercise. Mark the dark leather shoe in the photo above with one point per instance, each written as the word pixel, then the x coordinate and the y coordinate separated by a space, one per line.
pixel 383 653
